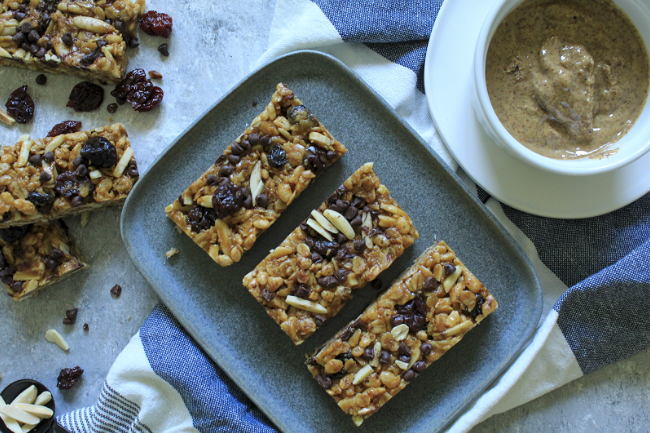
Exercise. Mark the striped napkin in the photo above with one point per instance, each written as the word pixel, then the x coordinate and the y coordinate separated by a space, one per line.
pixel 595 273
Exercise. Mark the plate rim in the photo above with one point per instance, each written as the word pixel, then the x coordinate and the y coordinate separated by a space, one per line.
pixel 195 334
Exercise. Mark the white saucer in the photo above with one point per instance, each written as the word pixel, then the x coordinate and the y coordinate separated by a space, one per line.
pixel 448 83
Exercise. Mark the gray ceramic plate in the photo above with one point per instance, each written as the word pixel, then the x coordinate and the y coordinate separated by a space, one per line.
pixel 234 329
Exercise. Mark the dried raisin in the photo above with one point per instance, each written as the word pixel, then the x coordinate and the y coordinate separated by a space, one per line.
pixel 12 234
pixel 156 24
pixel 20 105
pixel 69 185
pixel 65 127
pixel 100 152
pixel 68 377
pixel 86 96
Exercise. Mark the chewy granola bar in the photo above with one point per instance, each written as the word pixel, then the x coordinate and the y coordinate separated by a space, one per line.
pixel 348 241
pixel 50 178
pixel 426 311
pixel 35 256
pixel 87 38
pixel 255 179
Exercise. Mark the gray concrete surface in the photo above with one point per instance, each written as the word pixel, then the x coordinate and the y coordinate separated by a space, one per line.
pixel 213 46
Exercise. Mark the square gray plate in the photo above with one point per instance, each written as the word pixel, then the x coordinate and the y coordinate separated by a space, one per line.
pixel 234 329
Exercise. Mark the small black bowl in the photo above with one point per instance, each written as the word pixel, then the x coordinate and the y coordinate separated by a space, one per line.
pixel 14 389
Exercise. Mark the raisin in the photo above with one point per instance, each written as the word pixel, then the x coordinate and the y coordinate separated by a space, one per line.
pixel 40 198
pixel 277 157
pixel 478 308
pixel 68 377
pixel 65 127
pixel 201 218
pixel 100 152
pixel 20 105
pixel 300 115
pixel 138 91
pixel 156 24
pixel 86 96
pixel 69 185
pixel 314 160
pixel 154 99
pixel 12 234
pixel 227 198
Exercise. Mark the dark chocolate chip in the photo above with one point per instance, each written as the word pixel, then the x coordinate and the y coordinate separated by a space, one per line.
pixel 134 42
pixel 410 375
pixel 76 201
pixel 77 161
pixel 45 210
pixel 57 255
pixel 35 159
pixel 359 245
pixel 112 108
pixel 345 335
pixel 234 159
pixel 164 50
pixel 368 354
pixel 40 54
pixel 132 170
pixel 67 321
pixel 319 320
pixel 449 268
pixel 404 358
pixel 236 149
pixel 397 320
pixel 430 283
pixel 119 25
pixel 262 200
pixel 351 212
pixel 356 221
pixel 116 290
pixel 226 170
pixel 420 305
pixel 212 180
pixel 324 381
pixel 6 279
pixel 82 170
pixel 67 39
pixel 302 292
pixel 331 155
pixel 33 48
pixel 416 323
pixel 41 79
pixel 48 157
pixel 266 295
pixel 253 138
pixel 26 27
pixel 19 38
pixel 358 324
pixel 384 357
pixel 220 160
pixel 265 141
pixel 403 349
pixel 316 258
pixel 19 16
pixel 341 274
pixel 245 145
pixel 419 366
pixel 406 309
pixel 341 238
pixel 358 202
pixel 50 264
pixel 86 327
pixel 425 349
pixel 16 286
pixel 33 36
pixel 101 43
pixel 329 282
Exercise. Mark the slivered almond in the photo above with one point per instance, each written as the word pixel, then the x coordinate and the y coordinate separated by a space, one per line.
pixel 56 142
pixel 361 375
pixel 377 350
pixel 324 222
pixel 205 201
pixel 401 364
pixel 4 116
pixel 19 415
pixel 306 305
pixel 451 279
pixel 36 410
pixel 4 53
pixel 95 174
pixel 339 222
pixel 124 161
pixel 23 156
pixel 256 183
pixel 27 396
pixel 319 228
pixel 357 420
pixel 92 25
pixel 43 398
pixel 53 336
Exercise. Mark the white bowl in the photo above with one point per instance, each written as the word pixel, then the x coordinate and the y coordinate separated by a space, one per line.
pixel 633 145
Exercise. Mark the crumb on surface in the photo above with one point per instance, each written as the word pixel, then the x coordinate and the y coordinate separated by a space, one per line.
pixel 172 252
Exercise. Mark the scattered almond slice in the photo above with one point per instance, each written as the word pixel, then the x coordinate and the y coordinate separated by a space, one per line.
pixel 6 118
pixel 306 305
pixel 11 423
pixel 256 183
pixel 53 336
pixel 36 410
pixel 324 222
pixel 361 375
pixel 27 396
pixel 123 162
pixel 377 350
pixel 56 142
pixel 23 156
pixel 43 398
pixel 401 364
pixel 172 252
pixel 357 420
pixel 451 279
pixel 19 415
pixel 339 222
pixel 319 228
pixel 85 217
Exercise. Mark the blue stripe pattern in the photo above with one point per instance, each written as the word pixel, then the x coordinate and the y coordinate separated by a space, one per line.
pixel 215 403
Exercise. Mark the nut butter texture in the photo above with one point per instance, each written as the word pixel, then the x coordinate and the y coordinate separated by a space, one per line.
pixel 567 78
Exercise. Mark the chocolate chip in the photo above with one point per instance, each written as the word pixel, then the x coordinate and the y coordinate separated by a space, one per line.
pixel 345 335
pixel 359 245
pixel 45 210
pixel 410 375
pixel 331 155
pixel 212 180
pixel 9 270
pixel 16 286
pixel 316 258
pixel 420 305
pixel 50 264
pixel 26 27
pixel 309 242
pixel 368 354
pixel 35 159
pixel 234 159
pixel 26 46
pixel 132 170
pixel 419 366
pixel 397 320
pixel 329 282
pixel 449 268
pixel 116 290
pixel 350 213
pixel 358 202
pixel 425 349
pixel 226 170
pixel 112 107
pixel 430 283
pixel 57 255
pixel 220 160
pixel 33 48
pixel 248 203
pixel 19 38
pixel 253 138
pixel 332 198
pixel 376 284
pixel 404 358
pixel 101 43
pixel 41 79
pixel 82 170
pixel 33 36
pixel 67 39
pixel 406 309
pixel 266 295
pixel 262 200
pixel 48 157
pixel 6 279
pixel 119 25
pixel 302 292
pixel 164 50
pixel 77 161
pixel 341 238
pixel 67 321
pixel 324 381
pixel 86 327
pixel 133 42
pixel 341 274
pixel 245 145
pixel 356 221
pixel 403 349
pixel 40 54
pixel 416 323
pixel 236 149
pixel 76 201
pixel 265 141
pixel 384 357
pixel 19 16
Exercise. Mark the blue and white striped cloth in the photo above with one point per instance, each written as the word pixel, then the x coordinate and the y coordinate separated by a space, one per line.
pixel 595 272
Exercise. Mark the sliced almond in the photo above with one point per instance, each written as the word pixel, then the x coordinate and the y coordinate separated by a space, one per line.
pixel 85 217
pixel 28 427
pixel 451 279
pixel 415 356
pixel 171 253
pixel 306 305
pixel 92 25
pixel 95 174
pixel 53 336
pixel 377 350
pixel 5 117
pixel 205 201
pixel 257 192
pixel 56 142
pixel 4 53
pixel 11 423
pixel 319 228
pixel 357 420
pixel 400 332
pixel 256 181
pixel 19 415
pixel 27 396
pixel 324 222
pixel 124 161
pixel 43 398
pixel 401 364
pixel 23 156
pixel 339 222
pixel 319 138
pixel 367 221
pixel 36 410
pixel 361 375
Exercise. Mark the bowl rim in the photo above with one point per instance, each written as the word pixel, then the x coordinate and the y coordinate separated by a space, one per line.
pixel 500 133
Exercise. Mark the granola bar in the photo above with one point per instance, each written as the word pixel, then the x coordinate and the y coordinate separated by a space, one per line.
pixel 87 38
pixel 50 178
pixel 348 241
pixel 35 256
pixel 255 179
pixel 427 310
